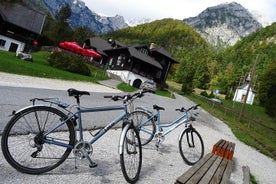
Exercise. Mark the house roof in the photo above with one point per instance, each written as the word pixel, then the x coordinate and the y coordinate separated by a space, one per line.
pixel 22 16
pixel 136 54
pixel 244 87
pixel 100 44
pixel 162 51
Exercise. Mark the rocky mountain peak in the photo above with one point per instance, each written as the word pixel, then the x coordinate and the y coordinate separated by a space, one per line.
pixel 83 16
pixel 224 24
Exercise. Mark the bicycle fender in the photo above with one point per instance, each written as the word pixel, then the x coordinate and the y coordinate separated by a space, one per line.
pixel 122 138
pixel 14 112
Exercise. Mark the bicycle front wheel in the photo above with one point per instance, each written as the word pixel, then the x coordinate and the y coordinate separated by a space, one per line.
pixel 191 146
pixel 145 126
pixel 26 148
pixel 130 153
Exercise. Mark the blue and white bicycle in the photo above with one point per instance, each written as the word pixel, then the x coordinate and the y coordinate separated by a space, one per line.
pixel 149 124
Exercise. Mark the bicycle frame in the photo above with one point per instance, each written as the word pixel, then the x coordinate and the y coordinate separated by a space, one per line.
pixel 174 124
pixel 78 113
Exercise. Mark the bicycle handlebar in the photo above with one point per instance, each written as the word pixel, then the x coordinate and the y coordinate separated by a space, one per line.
pixel 182 109
pixel 128 97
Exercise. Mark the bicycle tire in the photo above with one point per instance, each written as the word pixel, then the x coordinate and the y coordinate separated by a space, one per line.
pixel 191 146
pixel 146 131
pixel 130 153
pixel 25 149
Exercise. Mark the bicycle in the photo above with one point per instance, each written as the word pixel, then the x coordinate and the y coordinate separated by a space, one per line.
pixel 190 143
pixel 39 138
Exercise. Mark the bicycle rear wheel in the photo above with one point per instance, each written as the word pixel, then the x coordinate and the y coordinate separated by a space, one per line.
pixel 146 130
pixel 130 153
pixel 191 146
pixel 25 147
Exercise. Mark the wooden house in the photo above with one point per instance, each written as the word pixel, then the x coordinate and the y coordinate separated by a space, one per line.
pixel 20 26
pixel 134 64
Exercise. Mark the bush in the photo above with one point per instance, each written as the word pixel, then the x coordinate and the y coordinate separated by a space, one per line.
pixel 187 88
pixel 204 93
pixel 69 62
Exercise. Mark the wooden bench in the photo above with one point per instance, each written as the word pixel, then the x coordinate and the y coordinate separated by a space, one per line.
pixel 215 167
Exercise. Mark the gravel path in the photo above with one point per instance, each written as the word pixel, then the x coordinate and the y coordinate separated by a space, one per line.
pixel 159 167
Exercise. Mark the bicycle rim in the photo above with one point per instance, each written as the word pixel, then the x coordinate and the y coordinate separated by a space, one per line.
pixel 131 155
pixel 23 145
pixel 191 146
pixel 146 131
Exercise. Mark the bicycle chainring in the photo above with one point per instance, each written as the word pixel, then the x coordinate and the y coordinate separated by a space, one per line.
pixel 159 137
pixel 82 149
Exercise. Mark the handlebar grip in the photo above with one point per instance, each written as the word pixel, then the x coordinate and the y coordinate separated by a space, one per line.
pixel 108 96
pixel 196 106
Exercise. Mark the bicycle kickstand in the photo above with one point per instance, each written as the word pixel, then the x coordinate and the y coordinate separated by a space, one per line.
pixel 157 144
pixel 91 163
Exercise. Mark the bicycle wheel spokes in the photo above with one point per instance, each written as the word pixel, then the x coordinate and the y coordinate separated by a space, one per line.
pixel 146 130
pixel 131 156
pixel 191 146
pixel 24 145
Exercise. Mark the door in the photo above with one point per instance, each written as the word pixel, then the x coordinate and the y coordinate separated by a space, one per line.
pixel 13 47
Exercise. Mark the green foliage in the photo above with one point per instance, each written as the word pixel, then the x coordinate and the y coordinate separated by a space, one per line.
pixel 57 29
pixel 204 93
pixel 69 62
pixel 187 88
pixel 267 89
pixel 64 13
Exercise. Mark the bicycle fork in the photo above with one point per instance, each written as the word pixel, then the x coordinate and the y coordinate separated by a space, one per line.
pixel 190 138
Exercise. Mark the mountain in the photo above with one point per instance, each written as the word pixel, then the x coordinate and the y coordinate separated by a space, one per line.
pixel 81 16
pixel 224 24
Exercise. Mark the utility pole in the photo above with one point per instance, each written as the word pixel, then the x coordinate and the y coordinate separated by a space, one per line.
pixel 249 86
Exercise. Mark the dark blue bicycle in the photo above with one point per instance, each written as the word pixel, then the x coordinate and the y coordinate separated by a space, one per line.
pixel 39 138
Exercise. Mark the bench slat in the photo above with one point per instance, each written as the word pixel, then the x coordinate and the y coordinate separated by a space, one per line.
pixel 220 172
pixel 210 173
pixel 188 174
pixel 227 172
pixel 201 172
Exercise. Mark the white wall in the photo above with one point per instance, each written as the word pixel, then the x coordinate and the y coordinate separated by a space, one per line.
pixel 126 76
pixel 242 92
pixel 7 45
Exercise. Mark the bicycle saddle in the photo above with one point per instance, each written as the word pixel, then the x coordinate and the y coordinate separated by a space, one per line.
pixel 74 92
pixel 158 107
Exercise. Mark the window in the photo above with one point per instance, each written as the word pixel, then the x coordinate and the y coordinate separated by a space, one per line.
pixel 144 51
pixel 2 42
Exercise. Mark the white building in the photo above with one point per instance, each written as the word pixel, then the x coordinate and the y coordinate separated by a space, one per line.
pixel 241 93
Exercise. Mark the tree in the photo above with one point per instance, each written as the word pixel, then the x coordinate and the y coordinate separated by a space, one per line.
pixel 64 13
pixel 267 89
pixel 201 77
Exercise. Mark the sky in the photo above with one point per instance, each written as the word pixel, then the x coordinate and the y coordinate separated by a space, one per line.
pixel 177 9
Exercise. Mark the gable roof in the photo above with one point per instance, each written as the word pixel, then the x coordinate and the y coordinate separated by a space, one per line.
pixel 133 52
pixel 22 16
pixel 100 44
pixel 162 51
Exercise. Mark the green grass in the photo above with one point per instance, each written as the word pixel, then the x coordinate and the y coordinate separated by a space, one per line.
pixel 255 135
pixel 41 68
pixel 126 88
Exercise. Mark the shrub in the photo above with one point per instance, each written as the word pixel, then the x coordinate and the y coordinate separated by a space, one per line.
pixel 69 62
pixel 187 88
pixel 204 93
